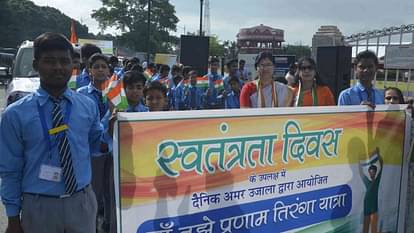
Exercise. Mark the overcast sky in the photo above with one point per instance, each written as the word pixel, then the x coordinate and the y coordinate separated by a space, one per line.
pixel 299 19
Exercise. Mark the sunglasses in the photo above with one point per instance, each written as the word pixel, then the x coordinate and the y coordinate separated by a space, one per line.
pixel 306 68
pixel 392 98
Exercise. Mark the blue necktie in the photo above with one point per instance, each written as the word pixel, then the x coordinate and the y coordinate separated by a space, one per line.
pixel 64 151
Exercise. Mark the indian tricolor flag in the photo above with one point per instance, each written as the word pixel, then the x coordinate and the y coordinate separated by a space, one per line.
pixel 202 82
pixel 115 93
pixel 219 85
pixel 72 81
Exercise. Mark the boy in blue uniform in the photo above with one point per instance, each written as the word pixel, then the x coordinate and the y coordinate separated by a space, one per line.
pixel 232 99
pixel 155 95
pixel 134 83
pixel 102 166
pixel 213 95
pixel 179 93
pixel 47 139
pixel 87 50
pixel 363 92
pixel 193 97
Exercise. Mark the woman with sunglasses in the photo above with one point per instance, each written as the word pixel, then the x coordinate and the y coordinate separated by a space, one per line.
pixel 264 92
pixel 309 89
pixel 393 95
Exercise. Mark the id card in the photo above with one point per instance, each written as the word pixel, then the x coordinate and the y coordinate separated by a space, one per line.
pixel 50 173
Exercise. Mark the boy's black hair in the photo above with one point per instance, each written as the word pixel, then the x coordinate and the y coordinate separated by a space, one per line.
pixel 367 54
pixel 155 85
pixel 87 50
pixel 187 70
pixel 137 68
pixel 164 67
pixel 213 60
pixel 50 41
pixel 231 61
pixel 234 79
pixel 132 77
pixel 151 65
pixel 97 56
pixel 176 68
pixel 75 54
pixel 113 59
pixel 135 60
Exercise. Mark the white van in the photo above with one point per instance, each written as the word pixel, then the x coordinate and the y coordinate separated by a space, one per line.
pixel 25 80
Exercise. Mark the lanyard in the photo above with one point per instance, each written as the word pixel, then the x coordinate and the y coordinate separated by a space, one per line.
pixel 47 132
pixel 299 96
pixel 373 95
pixel 261 102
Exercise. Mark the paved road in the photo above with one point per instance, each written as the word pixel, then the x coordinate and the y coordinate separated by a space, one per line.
pixel 3 218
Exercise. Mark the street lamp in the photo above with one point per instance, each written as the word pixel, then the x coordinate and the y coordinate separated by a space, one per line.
pixel 148 30
pixel 201 17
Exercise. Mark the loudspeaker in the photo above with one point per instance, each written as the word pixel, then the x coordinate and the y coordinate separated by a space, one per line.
pixel 334 66
pixel 194 52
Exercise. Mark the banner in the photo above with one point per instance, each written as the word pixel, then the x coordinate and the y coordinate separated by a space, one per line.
pixel 165 59
pixel 322 169
pixel 105 45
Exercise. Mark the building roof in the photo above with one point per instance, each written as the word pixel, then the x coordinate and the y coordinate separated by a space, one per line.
pixel 261 33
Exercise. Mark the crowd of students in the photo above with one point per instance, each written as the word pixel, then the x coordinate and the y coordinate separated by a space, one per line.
pixel 84 118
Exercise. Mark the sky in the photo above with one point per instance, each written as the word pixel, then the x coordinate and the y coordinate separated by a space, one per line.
pixel 299 19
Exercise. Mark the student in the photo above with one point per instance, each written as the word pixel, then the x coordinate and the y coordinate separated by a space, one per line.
pixel 393 95
pixel 150 70
pixel 232 99
pixel 363 92
pixel 163 76
pixel 46 140
pixel 134 83
pixel 87 50
pixel 264 92
pixel 178 93
pixel 291 75
pixel 193 97
pixel 155 95
pixel 102 171
pixel 232 69
pixel 309 90
pixel 212 93
pixel 242 72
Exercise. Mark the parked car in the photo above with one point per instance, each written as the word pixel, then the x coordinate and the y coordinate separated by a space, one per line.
pixel 5 75
pixel 25 79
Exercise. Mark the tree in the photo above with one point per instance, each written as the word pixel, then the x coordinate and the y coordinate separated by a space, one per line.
pixel 230 49
pixel 215 47
pixel 298 50
pixel 23 20
pixel 130 16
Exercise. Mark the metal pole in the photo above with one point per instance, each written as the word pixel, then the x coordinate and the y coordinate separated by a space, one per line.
pixel 201 17
pixel 398 70
pixel 148 30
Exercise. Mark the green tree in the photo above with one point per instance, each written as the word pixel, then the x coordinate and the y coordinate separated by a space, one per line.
pixel 23 20
pixel 215 47
pixel 130 16
pixel 230 49
pixel 298 50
